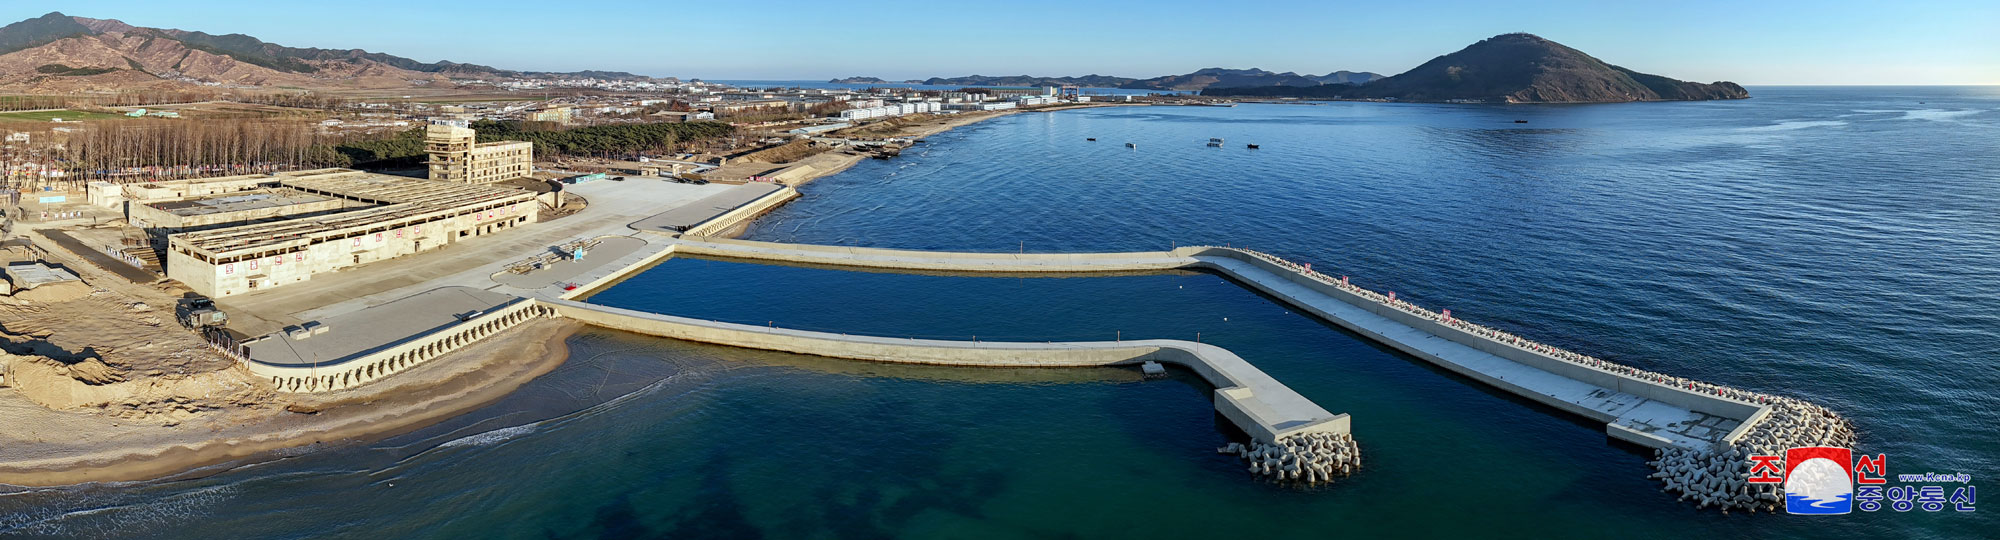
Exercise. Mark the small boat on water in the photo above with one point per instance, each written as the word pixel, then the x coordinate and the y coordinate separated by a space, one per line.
pixel 1520 121
pixel 1253 147
pixel 1131 145
pixel 1092 139
pixel 1215 142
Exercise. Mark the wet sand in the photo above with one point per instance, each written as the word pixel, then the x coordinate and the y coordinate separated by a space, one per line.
pixel 93 448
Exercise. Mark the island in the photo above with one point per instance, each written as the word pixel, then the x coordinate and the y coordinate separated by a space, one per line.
pixel 1509 68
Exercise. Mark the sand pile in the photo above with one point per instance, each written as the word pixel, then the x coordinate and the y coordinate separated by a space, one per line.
pixel 54 292
pixel 91 384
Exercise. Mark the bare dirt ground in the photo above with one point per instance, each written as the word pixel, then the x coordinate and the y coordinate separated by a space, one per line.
pixel 103 384
pixel 40 446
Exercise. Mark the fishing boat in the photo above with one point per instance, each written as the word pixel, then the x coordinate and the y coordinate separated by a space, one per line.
pixel 1092 139
pixel 1520 121
pixel 1253 147
pixel 1131 145
pixel 1215 141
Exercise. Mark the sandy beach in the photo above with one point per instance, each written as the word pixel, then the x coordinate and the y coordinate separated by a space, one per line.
pixel 46 447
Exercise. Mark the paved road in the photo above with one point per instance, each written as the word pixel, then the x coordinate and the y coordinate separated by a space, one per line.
pixel 107 262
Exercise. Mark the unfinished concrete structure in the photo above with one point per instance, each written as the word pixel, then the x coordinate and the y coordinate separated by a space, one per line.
pixel 162 219
pixel 457 156
pixel 392 217
pixel 197 187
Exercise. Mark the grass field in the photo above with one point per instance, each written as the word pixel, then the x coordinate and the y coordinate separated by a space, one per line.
pixel 44 116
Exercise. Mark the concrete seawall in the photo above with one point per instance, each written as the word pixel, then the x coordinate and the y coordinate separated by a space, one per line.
pixel 344 373
pixel 1252 400
pixel 1701 431
pixel 1638 406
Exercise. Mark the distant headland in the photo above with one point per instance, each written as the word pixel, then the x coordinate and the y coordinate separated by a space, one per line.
pixel 1509 68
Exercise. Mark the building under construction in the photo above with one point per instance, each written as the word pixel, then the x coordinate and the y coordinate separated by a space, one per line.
pixel 457 156
pixel 386 217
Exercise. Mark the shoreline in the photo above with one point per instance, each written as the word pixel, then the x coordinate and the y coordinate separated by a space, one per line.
pixel 840 162
pixel 475 377
pixel 432 393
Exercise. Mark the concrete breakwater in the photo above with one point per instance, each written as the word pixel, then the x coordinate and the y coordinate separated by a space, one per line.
pixel 1307 459
pixel 1682 419
pixel 1294 440
pixel 1702 432
pixel 1639 406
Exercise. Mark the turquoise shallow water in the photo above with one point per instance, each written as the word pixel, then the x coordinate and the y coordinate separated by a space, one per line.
pixel 1835 244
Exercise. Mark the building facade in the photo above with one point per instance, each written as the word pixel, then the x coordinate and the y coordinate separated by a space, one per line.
pixel 457 156
pixel 394 216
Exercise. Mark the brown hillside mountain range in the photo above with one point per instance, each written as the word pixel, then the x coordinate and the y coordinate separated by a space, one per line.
pixel 57 51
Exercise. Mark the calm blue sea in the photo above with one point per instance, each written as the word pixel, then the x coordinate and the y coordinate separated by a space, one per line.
pixel 1841 245
pixel 744 83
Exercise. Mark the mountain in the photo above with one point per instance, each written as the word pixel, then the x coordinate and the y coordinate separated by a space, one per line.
pixel 1513 68
pixel 1090 81
pixel 1348 77
pixel 1243 78
pixel 77 53
pixel 858 80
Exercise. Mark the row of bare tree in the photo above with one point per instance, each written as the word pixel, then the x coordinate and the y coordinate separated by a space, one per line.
pixel 157 149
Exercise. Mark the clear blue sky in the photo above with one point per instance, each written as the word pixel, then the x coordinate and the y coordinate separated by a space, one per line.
pixel 1747 41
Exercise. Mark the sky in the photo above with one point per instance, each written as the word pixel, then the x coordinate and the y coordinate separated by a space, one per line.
pixel 1827 42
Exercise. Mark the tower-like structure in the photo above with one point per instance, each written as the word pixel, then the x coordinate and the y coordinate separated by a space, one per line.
pixel 450 147
pixel 457 156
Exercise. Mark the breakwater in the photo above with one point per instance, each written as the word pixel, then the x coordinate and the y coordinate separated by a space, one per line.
pixel 1700 431
pixel 1293 439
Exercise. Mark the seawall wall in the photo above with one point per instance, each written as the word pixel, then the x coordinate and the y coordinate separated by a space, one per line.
pixel 1252 400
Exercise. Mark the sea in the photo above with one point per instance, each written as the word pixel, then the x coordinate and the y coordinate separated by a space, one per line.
pixel 830 85
pixel 1835 244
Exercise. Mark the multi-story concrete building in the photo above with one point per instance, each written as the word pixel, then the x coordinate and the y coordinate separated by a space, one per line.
pixel 391 217
pixel 457 156
pixel 162 219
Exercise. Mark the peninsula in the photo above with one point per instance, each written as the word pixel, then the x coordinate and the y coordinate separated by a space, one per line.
pixel 1509 68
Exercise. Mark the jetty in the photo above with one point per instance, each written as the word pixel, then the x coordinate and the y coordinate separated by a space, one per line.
pixel 1701 431
pixel 1648 409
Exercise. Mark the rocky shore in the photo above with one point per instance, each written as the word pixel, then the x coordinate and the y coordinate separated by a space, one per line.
pixel 1304 460
pixel 1720 477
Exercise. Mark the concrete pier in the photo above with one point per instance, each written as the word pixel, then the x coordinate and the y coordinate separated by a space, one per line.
pixel 1260 405
pixel 1702 431
pixel 1642 407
